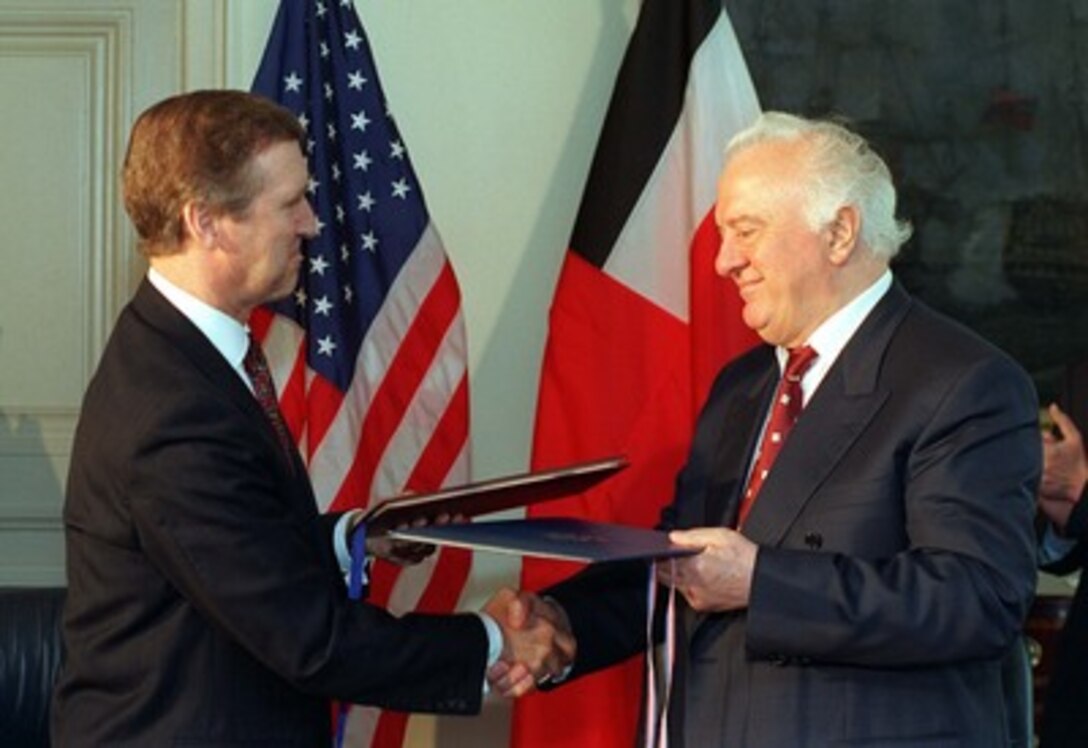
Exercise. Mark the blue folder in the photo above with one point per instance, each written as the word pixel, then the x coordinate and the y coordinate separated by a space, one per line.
pixel 558 538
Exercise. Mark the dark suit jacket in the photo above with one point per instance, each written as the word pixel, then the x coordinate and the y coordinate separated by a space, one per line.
pixel 205 605
pixel 1065 710
pixel 896 560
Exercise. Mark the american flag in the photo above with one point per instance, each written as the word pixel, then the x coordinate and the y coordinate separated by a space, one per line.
pixel 369 354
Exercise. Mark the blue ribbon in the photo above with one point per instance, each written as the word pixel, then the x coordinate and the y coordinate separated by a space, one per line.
pixel 356 589
pixel 356 577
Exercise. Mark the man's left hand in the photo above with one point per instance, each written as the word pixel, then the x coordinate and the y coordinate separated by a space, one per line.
pixel 406 552
pixel 719 578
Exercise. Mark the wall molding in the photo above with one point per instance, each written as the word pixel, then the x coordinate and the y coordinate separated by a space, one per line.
pixel 33 576
pixel 204 44
pixel 100 40
pixel 113 58
pixel 25 517
pixel 35 431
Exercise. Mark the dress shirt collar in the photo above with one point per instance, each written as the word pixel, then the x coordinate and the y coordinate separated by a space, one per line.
pixel 835 332
pixel 228 335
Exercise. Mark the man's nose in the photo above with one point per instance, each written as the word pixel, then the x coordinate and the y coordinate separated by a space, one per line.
pixel 309 221
pixel 729 259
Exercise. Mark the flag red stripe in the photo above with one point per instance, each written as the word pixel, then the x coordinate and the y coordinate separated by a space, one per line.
pixel 390 730
pixel 446 443
pixel 293 399
pixel 442 450
pixel 454 564
pixel 323 401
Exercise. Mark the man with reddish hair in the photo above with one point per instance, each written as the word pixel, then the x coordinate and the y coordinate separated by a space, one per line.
pixel 206 603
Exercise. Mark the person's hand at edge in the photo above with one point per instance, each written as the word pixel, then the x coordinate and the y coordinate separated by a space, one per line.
pixel 1065 469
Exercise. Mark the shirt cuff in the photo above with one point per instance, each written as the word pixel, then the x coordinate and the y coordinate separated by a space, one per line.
pixel 1052 546
pixel 340 539
pixel 494 638
pixel 494 645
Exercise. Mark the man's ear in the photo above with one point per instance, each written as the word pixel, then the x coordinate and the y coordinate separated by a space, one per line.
pixel 843 233
pixel 200 223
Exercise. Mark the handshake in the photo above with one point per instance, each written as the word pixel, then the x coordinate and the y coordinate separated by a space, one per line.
pixel 537 642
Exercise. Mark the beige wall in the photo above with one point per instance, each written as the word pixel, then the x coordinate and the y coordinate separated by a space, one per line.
pixel 72 75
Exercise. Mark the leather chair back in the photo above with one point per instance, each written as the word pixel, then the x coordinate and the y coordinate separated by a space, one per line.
pixel 30 656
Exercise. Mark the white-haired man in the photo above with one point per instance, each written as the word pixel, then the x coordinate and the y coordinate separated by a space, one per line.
pixel 861 588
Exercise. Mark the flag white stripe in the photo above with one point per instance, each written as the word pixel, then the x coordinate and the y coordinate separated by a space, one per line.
pixel 721 101
pixel 684 182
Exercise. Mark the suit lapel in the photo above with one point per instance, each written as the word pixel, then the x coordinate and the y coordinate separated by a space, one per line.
pixel 838 412
pixel 153 307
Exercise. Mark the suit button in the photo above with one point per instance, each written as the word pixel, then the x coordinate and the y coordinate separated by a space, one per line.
pixel 814 540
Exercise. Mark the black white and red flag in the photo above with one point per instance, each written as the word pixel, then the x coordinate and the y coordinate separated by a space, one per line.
pixel 639 324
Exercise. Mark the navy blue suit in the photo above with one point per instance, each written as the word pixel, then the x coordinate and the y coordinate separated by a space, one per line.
pixel 896 560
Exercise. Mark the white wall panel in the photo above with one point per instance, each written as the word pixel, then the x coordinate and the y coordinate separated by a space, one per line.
pixel 73 74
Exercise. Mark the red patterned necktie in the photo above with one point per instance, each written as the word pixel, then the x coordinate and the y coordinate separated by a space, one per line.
pixel 785 409
pixel 256 366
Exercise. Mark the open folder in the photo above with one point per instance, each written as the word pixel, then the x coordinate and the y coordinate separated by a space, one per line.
pixel 497 494
pixel 559 538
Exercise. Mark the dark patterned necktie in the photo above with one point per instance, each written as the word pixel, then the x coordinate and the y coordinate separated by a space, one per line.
pixel 785 410
pixel 256 366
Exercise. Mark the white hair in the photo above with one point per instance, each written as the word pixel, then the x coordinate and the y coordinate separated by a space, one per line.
pixel 840 169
